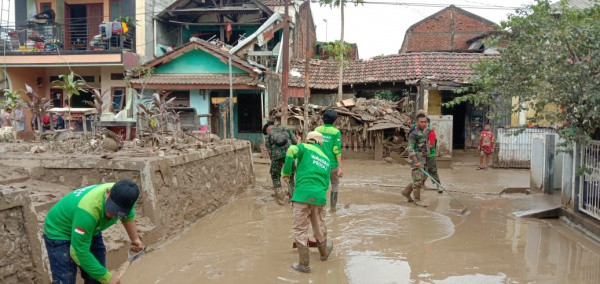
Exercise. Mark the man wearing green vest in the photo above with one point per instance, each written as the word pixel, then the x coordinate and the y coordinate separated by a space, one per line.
pixel 431 163
pixel 73 226
pixel 332 147
pixel 310 196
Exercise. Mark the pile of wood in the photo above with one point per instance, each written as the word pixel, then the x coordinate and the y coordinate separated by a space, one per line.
pixel 372 125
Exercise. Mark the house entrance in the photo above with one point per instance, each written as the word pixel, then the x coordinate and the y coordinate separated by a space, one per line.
pixel 458 113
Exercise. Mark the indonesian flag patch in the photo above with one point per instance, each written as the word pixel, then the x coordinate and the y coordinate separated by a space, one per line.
pixel 79 230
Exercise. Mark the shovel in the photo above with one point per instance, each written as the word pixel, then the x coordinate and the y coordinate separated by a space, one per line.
pixel 130 258
pixel 464 209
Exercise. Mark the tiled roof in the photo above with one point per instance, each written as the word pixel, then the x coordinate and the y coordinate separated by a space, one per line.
pixel 194 79
pixel 437 66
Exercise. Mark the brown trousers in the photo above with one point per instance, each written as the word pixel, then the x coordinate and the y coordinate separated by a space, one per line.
pixel 304 215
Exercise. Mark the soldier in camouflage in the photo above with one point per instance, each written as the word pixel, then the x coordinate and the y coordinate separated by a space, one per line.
pixel 418 152
pixel 277 140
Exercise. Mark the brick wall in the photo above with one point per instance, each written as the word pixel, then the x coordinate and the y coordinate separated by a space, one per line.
pixel 300 36
pixel 447 30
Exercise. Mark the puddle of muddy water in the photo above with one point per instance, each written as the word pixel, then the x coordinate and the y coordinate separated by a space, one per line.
pixel 379 238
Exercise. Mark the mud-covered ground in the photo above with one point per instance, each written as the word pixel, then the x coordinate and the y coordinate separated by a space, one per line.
pixel 380 238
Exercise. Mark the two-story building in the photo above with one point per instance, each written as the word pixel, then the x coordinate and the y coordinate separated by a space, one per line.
pixel 96 39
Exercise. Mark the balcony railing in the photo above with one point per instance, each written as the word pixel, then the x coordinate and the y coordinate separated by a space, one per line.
pixel 74 35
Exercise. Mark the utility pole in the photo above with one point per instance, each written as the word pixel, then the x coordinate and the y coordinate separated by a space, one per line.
pixel 340 84
pixel 285 73
pixel 306 74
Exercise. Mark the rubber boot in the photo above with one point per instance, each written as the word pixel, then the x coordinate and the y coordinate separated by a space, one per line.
pixel 325 249
pixel 333 201
pixel 304 258
pixel 406 192
pixel 417 194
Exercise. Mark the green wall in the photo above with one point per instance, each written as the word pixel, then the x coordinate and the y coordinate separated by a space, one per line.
pixel 196 62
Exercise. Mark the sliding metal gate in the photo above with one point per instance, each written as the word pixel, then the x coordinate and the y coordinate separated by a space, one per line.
pixel 589 197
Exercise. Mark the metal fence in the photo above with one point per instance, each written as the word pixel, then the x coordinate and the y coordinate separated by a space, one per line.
pixel 72 34
pixel 514 146
pixel 589 198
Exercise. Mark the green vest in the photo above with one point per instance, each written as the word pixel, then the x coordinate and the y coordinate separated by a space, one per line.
pixel 332 143
pixel 312 173
pixel 78 217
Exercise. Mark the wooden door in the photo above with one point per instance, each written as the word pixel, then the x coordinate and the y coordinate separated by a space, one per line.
pixel 95 18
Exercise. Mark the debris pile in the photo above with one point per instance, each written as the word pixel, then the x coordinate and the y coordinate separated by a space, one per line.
pixel 364 123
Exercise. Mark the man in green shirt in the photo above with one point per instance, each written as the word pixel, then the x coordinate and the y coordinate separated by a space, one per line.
pixel 332 147
pixel 73 226
pixel 431 162
pixel 417 152
pixel 310 196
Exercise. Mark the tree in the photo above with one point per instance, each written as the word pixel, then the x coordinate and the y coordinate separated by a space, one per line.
pixel 549 63
pixel 393 96
pixel 341 4
pixel 70 86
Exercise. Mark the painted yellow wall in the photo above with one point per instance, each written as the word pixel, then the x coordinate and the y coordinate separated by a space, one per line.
pixel 514 118
pixel 434 105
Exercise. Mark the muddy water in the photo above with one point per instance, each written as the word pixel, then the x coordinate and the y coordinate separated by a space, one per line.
pixel 379 238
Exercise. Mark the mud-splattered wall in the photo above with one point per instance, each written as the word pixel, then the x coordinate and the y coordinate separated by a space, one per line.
pixel 187 191
pixel 20 248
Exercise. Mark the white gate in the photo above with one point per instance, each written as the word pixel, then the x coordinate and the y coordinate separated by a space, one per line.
pixel 514 146
pixel 589 197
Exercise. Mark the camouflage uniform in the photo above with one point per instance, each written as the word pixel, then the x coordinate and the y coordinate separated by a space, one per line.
pixel 417 146
pixel 277 154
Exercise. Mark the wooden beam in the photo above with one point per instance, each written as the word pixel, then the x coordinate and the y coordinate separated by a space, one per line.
pixel 275 29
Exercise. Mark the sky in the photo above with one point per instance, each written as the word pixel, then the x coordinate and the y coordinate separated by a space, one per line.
pixel 379 29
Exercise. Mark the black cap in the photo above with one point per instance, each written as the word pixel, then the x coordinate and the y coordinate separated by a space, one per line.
pixel 329 116
pixel 122 197
pixel 269 123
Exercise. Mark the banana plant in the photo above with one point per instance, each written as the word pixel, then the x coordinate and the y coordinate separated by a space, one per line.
pixel 70 85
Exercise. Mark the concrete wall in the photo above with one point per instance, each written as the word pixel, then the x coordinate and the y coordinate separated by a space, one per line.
pixel 200 100
pixel 20 247
pixel 546 162
pixel 145 10
pixel 175 190
pixel 442 124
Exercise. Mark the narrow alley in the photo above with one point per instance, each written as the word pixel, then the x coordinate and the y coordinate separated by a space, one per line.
pixel 380 238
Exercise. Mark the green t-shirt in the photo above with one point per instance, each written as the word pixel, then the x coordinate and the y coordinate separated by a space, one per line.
pixel 332 143
pixel 78 217
pixel 312 173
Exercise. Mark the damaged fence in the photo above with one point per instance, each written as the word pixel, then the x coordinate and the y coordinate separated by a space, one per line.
pixel 514 146
pixel 370 128
pixel 589 199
